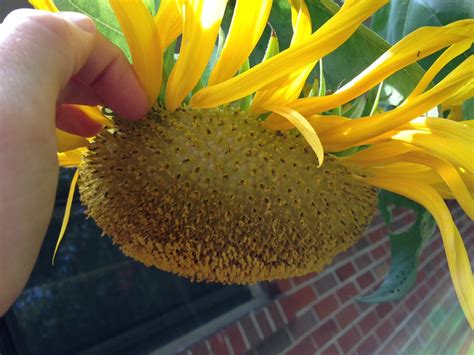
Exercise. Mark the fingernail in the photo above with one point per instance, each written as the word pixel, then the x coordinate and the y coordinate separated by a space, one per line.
pixel 84 22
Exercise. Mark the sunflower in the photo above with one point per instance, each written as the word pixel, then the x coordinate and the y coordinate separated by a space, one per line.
pixel 217 184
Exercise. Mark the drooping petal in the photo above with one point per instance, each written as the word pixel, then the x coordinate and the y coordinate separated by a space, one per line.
pixel 288 89
pixel 168 22
pixel 144 42
pixel 67 212
pixel 202 20
pixel 249 21
pixel 67 141
pixel 326 39
pixel 457 257
pixel 304 127
pixel 354 132
pixel 448 55
pixel 457 152
pixel 47 5
pixel 415 46
pixel 381 155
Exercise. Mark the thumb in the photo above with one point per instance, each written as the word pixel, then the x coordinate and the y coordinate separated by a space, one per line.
pixel 43 50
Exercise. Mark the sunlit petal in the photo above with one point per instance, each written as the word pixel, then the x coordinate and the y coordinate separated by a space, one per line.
pixel 168 22
pixel 288 89
pixel 326 39
pixel 202 20
pixel 67 141
pixel 144 43
pixel 47 5
pixel 415 46
pixel 249 21
pixel 354 132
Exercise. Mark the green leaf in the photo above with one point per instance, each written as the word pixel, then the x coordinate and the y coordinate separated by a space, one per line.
pixel 401 17
pixel 405 249
pixel 104 17
pixel 468 109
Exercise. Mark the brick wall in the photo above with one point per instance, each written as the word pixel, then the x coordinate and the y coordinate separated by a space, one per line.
pixel 318 313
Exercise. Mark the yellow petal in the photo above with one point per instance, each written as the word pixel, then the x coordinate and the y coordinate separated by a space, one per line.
pixel 354 132
pixel 67 141
pixel 288 89
pixel 202 20
pixel 443 59
pixel 144 42
pixel 168 22
pixel 457 152
pixel 304 127
pixel 95 113
pixel 415 46
pixel 384 154
pixel 67 212
pixel 458 260
pixel 326 39
pixel 47 5
pixel 249 21
pixel 71 158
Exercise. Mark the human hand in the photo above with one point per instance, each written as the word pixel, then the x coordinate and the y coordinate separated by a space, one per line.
pixel 48 61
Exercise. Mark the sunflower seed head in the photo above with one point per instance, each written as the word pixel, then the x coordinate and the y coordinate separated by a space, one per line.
pixel 212 195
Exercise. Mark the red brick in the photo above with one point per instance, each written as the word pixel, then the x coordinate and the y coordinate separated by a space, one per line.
pixel 368 346
pixel 347 293
pixel 363 261
pixel 324 333
pixel 249 329
pixel 345 271
pixel 299 326
pixel 325 284
pixel 399 340
pixel 236 340
pixel 383 309
pixel 303 347
pixel 218 344
pixel 347 315
pixel 369 322
pixel 275 315
pixel 399 314
pixel 348 340
pixel 326 306
pixel 412 301
pixel 422 291
pixel 384 329
pixel 199 349
pixel 300 279
pixel 378 253
pixel 283 285
pixel 378 234
pixel 365 280
pixel 263 323
pixel 293 303
pixel 332 350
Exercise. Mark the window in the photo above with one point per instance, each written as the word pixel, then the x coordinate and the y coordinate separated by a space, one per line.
pixel 96 300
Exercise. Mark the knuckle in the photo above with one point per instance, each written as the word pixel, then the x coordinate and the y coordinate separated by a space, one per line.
pixel 31 22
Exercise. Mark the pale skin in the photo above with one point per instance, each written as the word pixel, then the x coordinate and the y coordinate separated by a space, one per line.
pixel 46 62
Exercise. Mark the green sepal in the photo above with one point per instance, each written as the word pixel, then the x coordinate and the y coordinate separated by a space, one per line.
pixel 273 47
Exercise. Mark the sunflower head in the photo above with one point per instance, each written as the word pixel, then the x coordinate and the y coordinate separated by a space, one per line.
pixel 202 188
